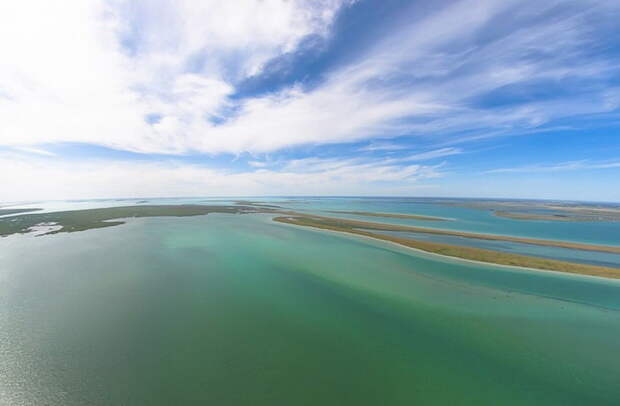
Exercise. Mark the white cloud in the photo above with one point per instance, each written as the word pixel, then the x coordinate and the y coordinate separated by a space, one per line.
pixel 32 150
pixel 558 167
pixel 258 164
pixel 434 154
pixel 47 178
pixel 383 146
pixel 68 77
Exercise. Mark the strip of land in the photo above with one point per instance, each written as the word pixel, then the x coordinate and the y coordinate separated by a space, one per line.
pixel 390 215
pixel 16 211
pixel 555 211
pixel 257 204
pixel 469 253
pixel 80 220
pixel 532 216
pixel 357 224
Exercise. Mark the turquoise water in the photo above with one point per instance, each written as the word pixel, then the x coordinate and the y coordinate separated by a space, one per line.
pixel 237 309
pixel 562 254
pixel 464 219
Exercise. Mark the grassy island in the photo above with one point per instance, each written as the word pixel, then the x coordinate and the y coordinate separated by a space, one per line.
pixel 80 220
pixel 256 204
pixel 553 211
pixel 470 253
pixel 533 216
pixel 551 217
pixel 390 215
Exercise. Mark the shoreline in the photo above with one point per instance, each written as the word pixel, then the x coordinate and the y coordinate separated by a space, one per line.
pixel 367 225
pixel 86 219
pixel 475 255
pixel 406 249
pixel 81 220
pixel 551 217
pixel 390 215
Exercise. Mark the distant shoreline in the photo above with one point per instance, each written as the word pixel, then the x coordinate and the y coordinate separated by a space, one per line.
pixel 391 215
pixel 81 220
pixel 6 212
pixel 553 217
pixel 86 219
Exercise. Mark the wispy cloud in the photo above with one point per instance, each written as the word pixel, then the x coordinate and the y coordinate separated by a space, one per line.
pixel 383 146
pixel 434 154
pixel 558 167
pixel 37 179
pixel 182 60
pixel 33 150
pixel 165 77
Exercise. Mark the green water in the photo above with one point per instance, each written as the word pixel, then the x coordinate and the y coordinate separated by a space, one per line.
pixel 238 310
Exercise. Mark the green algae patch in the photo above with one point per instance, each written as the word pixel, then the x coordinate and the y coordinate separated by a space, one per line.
pixel 469 253
pixel 80 220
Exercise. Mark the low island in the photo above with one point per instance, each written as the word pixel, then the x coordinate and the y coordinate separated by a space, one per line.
pixel 80 220
pixel 390 215
pixel 366 229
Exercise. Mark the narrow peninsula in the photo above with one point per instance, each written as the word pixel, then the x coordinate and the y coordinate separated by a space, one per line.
pixel 476 254
pixel 390 215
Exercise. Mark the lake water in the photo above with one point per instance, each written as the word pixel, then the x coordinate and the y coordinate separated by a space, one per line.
pixel 239 310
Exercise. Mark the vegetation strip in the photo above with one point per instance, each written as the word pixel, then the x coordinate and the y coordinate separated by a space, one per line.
pixel 470 253
pixel 390 215
pixel 80 220
pixel 551 217
pixel 346 223
pixel 257 204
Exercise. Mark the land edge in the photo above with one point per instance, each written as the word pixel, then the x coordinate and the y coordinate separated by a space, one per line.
pixel 465 234
pixel 103 218
pixel 548 217
pixel 390 215
pixel 449 257
pixel 86 219
pixel 475 255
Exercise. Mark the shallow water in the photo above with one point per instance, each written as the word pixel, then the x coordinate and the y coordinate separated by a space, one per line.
pixel 562 254
pixel 463 219
pixel 237 309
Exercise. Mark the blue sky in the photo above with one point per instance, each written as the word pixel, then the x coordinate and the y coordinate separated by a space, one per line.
pixel 476 98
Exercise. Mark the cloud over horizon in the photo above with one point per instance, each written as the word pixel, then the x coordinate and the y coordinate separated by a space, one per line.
pixel 170 80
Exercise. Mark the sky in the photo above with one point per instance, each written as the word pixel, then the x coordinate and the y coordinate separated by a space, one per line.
pixel 160 98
